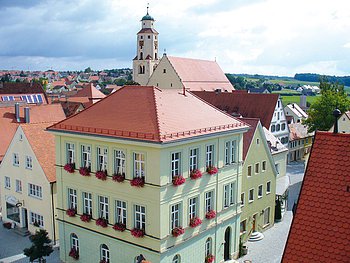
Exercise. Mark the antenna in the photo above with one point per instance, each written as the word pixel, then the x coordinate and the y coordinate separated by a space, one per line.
pixel 147 7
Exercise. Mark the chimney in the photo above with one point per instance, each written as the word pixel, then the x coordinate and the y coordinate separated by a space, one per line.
pixel 336 114
pixel 17 112
pixel 26 114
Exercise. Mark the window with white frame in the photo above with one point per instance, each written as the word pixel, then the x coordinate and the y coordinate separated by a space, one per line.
pixel 7 182
pixel 36 219
pixel 119 162
pixel 74 241
pixel 267 216
pixel 263 166
pixel 249 170
pixel 208 246
pixel 102 158
pixel 87 203
pixel 194 159
pixel 86 156
pixel 229 197
pixel 268 187
pixel 260 191
pixel 103 211
pixel 175 164
pixel 29 162
pixel 139 165
pixel 242 199
pixel 18 186
pixel 176 259
pixel 251 195
pixel 175 215
pixel 230 152
pixel 120 212
pixel 192 207
pixel 209 202
pixel 15 159
pixel 70 149
pixel 257 168
pixel 243 226
pixel 105 253
pixel 35 190
pixel 72 198
pixel 209 161
pixel 140 217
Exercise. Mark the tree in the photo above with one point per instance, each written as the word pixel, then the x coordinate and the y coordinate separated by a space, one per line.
pixel 88 70
pixel 40 248
pixel 321 111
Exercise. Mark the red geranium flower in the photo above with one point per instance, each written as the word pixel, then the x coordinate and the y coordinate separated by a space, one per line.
pixel 102 175
pixel 138 182
pixel 195 221
pixel 69 167
pixel 178 231
pixel 195 174
pixel 136 232
pixel 210 214
pixel 84 171
pixel 118 177
pixel 212 170
pixel 71 212
pixel 178 180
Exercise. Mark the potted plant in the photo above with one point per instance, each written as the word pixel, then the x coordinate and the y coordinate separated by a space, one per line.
pixel 118 177
pixel 178 180
pixel 85 217
pixel 210 258
pixel 210 214
pixel 69 167
pixel 195 174
pixel 84 171
pixel 102 222
pixel 74 253
pixel 138 182
pixel 102 175
pixel 136 232
pixel 71 212
pixel 178 231
pixel 195 221
pixel 119 227
pixel 212 170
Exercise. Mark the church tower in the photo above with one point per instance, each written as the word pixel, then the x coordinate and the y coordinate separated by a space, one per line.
pixel 147 51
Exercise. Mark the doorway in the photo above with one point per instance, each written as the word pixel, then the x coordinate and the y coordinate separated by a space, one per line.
pixel 227 244
pixel 254 222
pixel 24 218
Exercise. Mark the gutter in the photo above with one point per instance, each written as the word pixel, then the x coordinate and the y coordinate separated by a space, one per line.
pixel 53 213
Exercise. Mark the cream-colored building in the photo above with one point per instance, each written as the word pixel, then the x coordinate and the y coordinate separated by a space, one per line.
pixel 343 123
pixel 149 191
pixel 294 111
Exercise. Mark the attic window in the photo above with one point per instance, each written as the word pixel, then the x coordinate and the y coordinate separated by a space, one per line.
pixel 149 37
pixel 164 70
pixel 20 137
pixel 257 141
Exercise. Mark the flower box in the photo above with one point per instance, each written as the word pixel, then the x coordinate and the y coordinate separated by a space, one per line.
pixel 102 222
pixel 102 175
pixel 210 258
pixel 69 167
pixel 136 232
pixel 118 177
pixel 85 218
pixel 103 261
pixel 178 231
pixel 119 227
pixel 74 253
pixel 178 180
pixel 71 212
pixel 195 221
pixel 7 225
pixel 84 171
pixel 138 182
pixel 195 174
pixel 210 214
pixel 212 170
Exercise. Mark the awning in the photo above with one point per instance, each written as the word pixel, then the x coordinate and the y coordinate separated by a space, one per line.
pixel 282 185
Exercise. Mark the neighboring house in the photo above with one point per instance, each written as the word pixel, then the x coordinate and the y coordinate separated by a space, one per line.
pixel 258 184
pixel 259 90
pixel 28 179
pixel 160 209
pixel 300 141
pixel 70 107
pixel 266 107
pixel 190 74
pixel 343 123
pixel 24 93
pixel 320 228
pixel 88 95
pixel 293 110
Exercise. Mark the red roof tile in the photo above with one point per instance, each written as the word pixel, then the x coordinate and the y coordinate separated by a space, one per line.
pixel 320 228
pixel 15 88
pixel 150 114
pixel 248 105
pixel 90 92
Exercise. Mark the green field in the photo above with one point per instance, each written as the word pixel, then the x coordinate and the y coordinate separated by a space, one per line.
pixel 296 99
pixel 287 82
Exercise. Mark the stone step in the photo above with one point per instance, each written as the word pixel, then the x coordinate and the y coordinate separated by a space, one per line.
pixel 21 231
pixel 256 236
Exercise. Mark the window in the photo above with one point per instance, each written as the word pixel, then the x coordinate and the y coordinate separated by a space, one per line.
pixel 70 152
pixel 277 166
pixel 283 127
pixel 36 219
pixel 257 168
pixel 103 207
pixel 16 159
pixel 209 155
pixel 72 198
pixel 74 242
pixel 7 182
pixel 120 212
pixel 263 168
pixel 278 126
pixel 249 170
pixel 86 156
pixel 260 191
pixel 149 37
pixel 18 186
pixel 267 216
pixel 139 165
pixel 164 70
pixel 242 199
pixel 29 162
pixel 278 117
pixel 273 128
pixel 176 259
pixel 192 207
pixel 119 162
pixel 268 187
pixel 194 159
pixel 209 202
pixel 175 164
pixel 257 141
pixel 243 226
pixel 105 253
pixel 20 137
pixel 251 195
pixel 140 217
pixel 87 203
pixel 230 152
pixel 208 247
pixel 102 155
pixel 175 216
pixel 35 191
pixel 141 56
pixel 229 198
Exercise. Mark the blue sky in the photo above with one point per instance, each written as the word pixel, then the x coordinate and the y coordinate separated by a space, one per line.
pixel 276 37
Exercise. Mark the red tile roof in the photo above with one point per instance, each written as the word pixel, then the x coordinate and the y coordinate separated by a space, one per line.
pixel 90 92
pixel 248 105
pixel 16 88
pixel 150 114
pixel 320 229
pixel 298 131
pixel 148 30
pixel 248 136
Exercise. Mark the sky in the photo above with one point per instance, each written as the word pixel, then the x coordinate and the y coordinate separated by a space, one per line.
pixel 272 37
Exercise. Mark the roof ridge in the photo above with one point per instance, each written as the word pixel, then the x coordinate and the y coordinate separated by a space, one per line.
pixel 156 110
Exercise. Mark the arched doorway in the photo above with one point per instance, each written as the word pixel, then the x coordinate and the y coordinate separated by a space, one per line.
pixel 227 244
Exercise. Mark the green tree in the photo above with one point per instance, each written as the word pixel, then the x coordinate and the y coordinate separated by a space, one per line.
pixel 321 111
pixel 88 70
pixel 40 246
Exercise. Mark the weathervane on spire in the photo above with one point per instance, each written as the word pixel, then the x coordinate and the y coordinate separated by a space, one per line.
pixel 147 7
